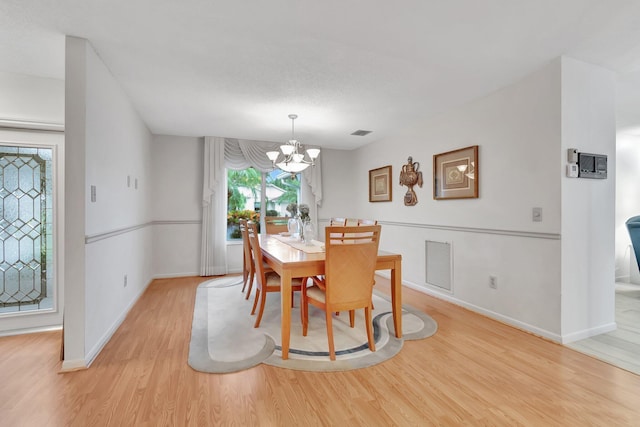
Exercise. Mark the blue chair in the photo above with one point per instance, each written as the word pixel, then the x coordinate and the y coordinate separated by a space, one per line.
pixel 633 226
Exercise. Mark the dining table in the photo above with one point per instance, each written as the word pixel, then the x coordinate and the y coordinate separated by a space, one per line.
pixel 291 258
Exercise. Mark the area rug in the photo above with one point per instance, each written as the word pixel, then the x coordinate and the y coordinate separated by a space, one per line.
pixel 223 338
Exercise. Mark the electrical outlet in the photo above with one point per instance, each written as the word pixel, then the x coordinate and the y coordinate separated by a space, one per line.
pixel 125 280
pixel 493 282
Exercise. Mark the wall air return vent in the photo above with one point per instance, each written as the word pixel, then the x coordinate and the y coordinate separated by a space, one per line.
pixel 438 264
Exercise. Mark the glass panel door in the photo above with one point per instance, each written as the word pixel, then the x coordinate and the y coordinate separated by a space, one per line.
pixel 26 239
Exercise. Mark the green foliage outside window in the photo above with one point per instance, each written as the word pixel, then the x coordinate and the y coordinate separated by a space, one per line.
pixel 248 178
pixel 241 183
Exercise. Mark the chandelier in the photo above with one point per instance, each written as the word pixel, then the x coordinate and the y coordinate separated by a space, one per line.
pixel 293 161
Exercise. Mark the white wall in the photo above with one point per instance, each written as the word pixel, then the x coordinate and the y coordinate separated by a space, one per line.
pixel 177 205
pixel 627 204
pixel 588 219
pixel 31 99
pixel 111 237
pixel 518 131
pixel 337 177
pixel 523 131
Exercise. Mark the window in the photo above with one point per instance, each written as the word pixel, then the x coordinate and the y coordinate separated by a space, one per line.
pixel 26 214
pixel 245 196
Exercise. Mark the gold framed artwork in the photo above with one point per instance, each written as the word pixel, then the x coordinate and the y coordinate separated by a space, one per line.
pixel 455 174
pixel 380 184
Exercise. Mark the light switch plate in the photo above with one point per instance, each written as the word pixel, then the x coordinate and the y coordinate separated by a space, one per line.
pixel 536 214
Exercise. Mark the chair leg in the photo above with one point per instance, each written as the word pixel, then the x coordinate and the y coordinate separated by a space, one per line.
pixel 368 321
pixel 304 314
pixel 252 273
pixel 255 301
pixel 332 350
pixel 302 307
pixel 263 298
pixel 352 317
pixel 245 276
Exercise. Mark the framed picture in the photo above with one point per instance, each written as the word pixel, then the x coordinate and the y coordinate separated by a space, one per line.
pixel 455 174
pixel 380 184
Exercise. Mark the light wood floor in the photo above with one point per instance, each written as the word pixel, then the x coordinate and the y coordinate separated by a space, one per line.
pixel 622 346
pixel 474 371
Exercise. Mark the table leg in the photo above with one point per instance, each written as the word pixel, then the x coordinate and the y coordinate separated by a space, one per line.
pixel 285 297
pixel 396 297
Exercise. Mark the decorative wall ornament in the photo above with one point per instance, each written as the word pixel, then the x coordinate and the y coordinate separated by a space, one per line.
pixel 410 176
pixel 455 174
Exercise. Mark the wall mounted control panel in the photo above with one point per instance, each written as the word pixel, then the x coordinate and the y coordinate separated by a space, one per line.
pixel 592 165
pixel 586 165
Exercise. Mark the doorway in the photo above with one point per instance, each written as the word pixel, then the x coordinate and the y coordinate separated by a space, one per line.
pixel 30 298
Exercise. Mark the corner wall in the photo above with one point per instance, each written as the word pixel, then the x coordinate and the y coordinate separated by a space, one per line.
pixel 107 146
pixel 588 205
pixel 177 167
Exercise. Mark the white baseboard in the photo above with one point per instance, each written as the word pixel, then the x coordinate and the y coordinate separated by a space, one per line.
pixel 443 295
pixel 172 275
pixel 588 333
pixel 561 339
pixel 191 274
pixel 73 365
pixel 97 348
pixel 30 330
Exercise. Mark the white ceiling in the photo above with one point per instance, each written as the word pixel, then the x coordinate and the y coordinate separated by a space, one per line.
pixel 238 68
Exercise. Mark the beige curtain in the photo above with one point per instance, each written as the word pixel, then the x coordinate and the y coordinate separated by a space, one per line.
pixel 213 260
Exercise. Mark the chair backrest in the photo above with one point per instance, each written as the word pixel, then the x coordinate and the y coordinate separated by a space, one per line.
pixel 367 222
pixel 338 222
pixel 276 224
pixel 350 263
pixel 254 240
pixel 246 245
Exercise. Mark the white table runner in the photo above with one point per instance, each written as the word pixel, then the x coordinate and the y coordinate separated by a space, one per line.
pixel 314 247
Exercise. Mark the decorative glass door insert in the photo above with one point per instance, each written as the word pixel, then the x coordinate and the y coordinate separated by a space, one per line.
pixel 25 228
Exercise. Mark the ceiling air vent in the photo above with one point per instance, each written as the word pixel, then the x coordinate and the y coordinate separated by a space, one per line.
pixel 361 132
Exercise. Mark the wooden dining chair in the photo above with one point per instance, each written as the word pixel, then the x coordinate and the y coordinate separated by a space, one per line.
pixel 367 221
pixel 276 224
pixel 336 221
pixel 348 280
pixel 266 280
pixel 248 263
